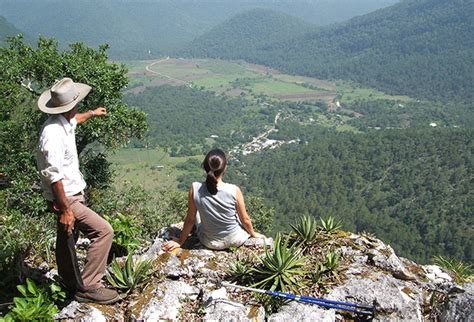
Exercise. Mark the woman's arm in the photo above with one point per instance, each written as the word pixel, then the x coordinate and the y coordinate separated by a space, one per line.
pixel 244 217
pixel 188 224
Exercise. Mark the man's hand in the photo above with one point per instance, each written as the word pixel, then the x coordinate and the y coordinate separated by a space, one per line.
pixel 66 218
pixel 100 111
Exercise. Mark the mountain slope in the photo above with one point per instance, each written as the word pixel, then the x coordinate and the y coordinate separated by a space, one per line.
pixel 423 48
pixel 7 30
pixel 240 36
pixel 144 28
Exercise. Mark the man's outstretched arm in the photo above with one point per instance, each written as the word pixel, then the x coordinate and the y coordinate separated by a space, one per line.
pixel 82 117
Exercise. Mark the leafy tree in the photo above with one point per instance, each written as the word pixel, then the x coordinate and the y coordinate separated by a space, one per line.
pixel 26 71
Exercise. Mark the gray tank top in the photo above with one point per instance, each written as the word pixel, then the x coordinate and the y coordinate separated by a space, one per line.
pixel 218 212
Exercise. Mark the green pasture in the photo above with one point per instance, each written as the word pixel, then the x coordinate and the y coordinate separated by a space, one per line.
pixel 320 84
pixel 136 65
pixel 222 66
pixel 349 92
pixel 275 87
pixel 214 82
pixel 150 168
pixel 215 74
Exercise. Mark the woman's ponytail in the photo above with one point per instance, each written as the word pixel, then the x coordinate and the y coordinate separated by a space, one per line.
pixel 211 183
pixel 214 163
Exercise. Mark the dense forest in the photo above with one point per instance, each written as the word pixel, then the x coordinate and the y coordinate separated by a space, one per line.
pixel 187 121
pixel 389 114
pixel 147 28
pixel 420 48
pixel 412 188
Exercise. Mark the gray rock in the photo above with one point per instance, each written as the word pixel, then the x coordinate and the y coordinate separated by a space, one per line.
pixel 166 303
pixel 394 299
pixel 219 308
pixel 385 258
pixel 295 311
pixel 259 242
pixel 435 274
pixel 460 306
pixel 174 268
pixel 82 312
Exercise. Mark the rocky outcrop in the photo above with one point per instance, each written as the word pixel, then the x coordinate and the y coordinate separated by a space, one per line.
pixel 189 288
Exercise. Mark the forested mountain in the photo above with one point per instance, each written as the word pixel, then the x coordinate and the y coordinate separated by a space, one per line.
pixel 7 30
pixel 421 48
pixel 146 28
pixel 241 36
pixel 412 188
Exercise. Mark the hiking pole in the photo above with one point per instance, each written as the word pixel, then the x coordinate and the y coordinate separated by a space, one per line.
pixel 350 307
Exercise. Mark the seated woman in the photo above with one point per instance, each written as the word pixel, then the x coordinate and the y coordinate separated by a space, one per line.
pixel 222 221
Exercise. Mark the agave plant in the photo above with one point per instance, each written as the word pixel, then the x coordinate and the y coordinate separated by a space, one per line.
pixel 279 271
pixel 305 229
pixel 460 272
pixel 329 225
pixel 131 275
pixel 332 262
pixel 241 270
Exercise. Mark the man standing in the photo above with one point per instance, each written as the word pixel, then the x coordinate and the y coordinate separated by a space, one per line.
pixel 63 186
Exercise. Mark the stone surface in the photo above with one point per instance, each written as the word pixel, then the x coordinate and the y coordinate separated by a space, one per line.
pixel 384 257
pixel 218 307
pixel 259 242
pixel 295 311
pixel 371 274
pixel 435 274
pixel 460 306
pixel 166 302
pixel 393 298
pixel 82 312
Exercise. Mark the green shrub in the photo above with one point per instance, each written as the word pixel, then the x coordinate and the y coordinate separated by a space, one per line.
pixel 262 216
pixel 152 210
pixel 21 236
pixel 126 231
pixel 37 304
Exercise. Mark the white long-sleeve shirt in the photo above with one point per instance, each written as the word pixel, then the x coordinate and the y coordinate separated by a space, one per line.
pixel 57 157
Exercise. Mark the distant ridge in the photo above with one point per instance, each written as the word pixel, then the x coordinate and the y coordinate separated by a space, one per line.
pixel 7 30
pixel 243 34
pixel 150 28
pixel 421 48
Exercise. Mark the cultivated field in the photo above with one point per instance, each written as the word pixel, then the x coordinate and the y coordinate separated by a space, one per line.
pixel 233 78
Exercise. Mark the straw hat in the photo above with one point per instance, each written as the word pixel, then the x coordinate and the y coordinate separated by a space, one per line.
pixel 62 96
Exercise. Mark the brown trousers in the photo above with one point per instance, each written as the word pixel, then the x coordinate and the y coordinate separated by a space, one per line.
pixel 99 232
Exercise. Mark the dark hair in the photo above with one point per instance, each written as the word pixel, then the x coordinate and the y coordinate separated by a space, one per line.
pixel 214 164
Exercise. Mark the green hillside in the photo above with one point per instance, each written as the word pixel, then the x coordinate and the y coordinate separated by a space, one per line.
pixel 420 48
pixel 7 30
pixel 242 35
pixel 411 188
pixel 148 28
